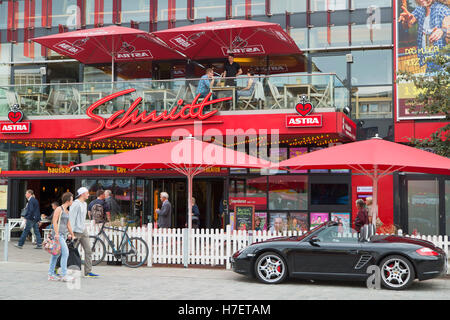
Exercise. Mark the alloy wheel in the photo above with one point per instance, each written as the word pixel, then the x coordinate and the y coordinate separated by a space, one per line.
pixel 271 268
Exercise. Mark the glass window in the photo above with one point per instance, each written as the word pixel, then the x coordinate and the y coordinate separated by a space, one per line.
pixel 318 37
pixel 181 10
pixel 250 191
pixel 363 34
pixel 104 15
pixel 209 8
pixel 258 7
pixel 65 12
pixel 447 206
pixel 371 67
pixel 338 37
pixel 27 160
pixel 372 102
pixel 423 207
pixel 288 192
pixel 329 194
pixel 3 15
pixel 59 159
pixel 300 36
pixel 4 160
pixel 122 194
pixel 163 10
pixel 364 4
pixel 337 234
pixel 281 6
pixel 5 69
pixel 94 74
pixel 325 5
pixel 137 10
pixel 89 155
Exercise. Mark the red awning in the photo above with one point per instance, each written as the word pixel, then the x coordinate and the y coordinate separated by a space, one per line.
pixel 102 45
pixel 218 39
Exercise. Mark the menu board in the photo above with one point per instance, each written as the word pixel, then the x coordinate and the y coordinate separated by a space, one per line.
pixel 244 217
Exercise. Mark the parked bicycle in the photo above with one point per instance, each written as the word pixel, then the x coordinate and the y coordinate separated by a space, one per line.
pixel 133 252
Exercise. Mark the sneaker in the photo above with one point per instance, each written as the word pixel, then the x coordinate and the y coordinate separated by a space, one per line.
pixel 38 247
pixel 91 275
pixel 53 278
pixel 18 246
pixel 67 278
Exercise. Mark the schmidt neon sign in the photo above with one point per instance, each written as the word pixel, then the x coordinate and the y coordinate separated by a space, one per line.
pixel 130 121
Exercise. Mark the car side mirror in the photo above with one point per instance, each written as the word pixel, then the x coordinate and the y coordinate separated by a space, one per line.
pixel 314 241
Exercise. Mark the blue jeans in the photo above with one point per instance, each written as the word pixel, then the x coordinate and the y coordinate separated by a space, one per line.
pixel 64 256
pixel 30 224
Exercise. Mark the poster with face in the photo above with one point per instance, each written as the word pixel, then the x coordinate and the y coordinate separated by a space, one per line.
pixel 278 222
pixel 260 221
pixel 343 219
pixel 422 32
pixel 318 219
pixel 298 222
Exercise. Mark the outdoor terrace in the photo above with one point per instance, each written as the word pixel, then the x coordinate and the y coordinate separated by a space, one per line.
pixel 326 92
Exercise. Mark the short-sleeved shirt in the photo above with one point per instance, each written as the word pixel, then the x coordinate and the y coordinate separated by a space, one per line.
pixel 232 69
pixel 203 85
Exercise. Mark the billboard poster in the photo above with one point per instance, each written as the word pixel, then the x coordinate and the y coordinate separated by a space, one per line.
pixel 421 34
pixel 318 218
pixel 260 221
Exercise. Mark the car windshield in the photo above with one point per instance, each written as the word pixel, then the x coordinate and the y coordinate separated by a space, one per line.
pixel 337 233
pixel 303 236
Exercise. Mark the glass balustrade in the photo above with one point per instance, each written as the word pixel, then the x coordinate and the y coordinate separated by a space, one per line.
pixel 325 92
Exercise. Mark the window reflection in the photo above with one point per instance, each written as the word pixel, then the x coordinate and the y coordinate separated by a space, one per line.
pixel 281 6
pixel 372 67
pixel 27 160
pixel 65 12
pixel 58 159
pixel 325 5
pixel 136 10
pixel 300 36
pixel 364 4
pixel 209 8
pixel 288 193
pixel 89 155
pixel 423 207
pixel 379 34
pixel 372 102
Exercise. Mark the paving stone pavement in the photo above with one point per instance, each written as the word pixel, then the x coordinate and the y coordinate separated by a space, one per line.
pixel 24 276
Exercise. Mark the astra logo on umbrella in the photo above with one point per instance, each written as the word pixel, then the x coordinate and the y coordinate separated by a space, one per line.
pixel 185 42
pixel 240 46
pixel 71 48
pixel 128 51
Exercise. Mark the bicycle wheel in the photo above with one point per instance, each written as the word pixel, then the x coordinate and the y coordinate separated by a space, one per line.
pixel 134 252
pixel 98 250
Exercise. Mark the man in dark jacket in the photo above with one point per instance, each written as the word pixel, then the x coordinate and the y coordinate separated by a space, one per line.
pixel 165 213
pixel 32 216
pixel 362 217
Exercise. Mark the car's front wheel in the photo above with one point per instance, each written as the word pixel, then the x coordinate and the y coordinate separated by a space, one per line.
pixel 270 268
pixel 397 273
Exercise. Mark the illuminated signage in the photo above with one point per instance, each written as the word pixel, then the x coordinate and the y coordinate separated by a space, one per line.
pixel 130 121
pixel 15 116
pixel 304 120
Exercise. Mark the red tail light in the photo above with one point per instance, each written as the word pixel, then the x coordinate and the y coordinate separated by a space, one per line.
pixel 427 252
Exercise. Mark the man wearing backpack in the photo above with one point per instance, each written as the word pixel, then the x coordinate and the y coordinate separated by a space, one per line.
pixel 98 209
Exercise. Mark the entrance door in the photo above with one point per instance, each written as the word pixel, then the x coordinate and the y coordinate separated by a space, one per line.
pixel 425 204
pixel 208 194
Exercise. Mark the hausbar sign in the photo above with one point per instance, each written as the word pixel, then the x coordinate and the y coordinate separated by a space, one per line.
pixel 132 120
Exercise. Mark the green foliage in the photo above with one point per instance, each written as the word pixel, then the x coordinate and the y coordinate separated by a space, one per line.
pixel 433 99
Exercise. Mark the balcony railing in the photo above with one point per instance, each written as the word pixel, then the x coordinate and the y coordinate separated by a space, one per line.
pixel 269 92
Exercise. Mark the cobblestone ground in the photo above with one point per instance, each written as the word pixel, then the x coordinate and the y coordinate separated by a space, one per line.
pixel 24 276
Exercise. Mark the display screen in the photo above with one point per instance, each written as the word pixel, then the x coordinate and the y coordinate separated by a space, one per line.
pixel 329 194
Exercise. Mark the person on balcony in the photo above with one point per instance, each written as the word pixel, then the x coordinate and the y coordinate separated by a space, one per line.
pixel 205 84
pixel 232 69
pixel 250 88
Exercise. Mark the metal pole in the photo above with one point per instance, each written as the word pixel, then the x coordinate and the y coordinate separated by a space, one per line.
pixel 375 196
pixel 6 240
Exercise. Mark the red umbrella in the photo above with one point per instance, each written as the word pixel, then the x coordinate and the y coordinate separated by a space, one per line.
pixel 374 158
pixel 217 39
pixel 108 44
pixel 190 157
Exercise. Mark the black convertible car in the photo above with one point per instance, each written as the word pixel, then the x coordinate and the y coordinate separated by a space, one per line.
pixel 328 252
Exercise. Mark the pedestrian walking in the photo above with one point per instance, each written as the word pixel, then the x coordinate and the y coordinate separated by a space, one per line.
pixel 195 215
pixel 112 204
pixel 98 209
pixel 362 222
pixel 165 213
pixel 62 231
pixel 77 214
pixel 32 216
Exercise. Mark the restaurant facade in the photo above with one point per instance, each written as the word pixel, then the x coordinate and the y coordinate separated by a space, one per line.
pixel 350 53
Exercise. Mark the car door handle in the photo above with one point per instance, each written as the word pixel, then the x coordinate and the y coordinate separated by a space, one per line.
pixel 352 251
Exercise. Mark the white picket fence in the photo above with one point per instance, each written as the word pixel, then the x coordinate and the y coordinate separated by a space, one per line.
pixel 211 247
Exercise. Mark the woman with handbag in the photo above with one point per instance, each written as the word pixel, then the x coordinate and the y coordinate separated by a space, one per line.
pixel 61 231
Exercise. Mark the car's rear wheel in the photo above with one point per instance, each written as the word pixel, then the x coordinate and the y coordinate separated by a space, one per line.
pixel 270 268
pixel 397 272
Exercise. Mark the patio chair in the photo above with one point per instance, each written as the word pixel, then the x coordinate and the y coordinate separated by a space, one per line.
pixel 253 100
pixel 11 96
pixel 53 102
pixel 276 96
pixel 173 100
pixel 322 98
